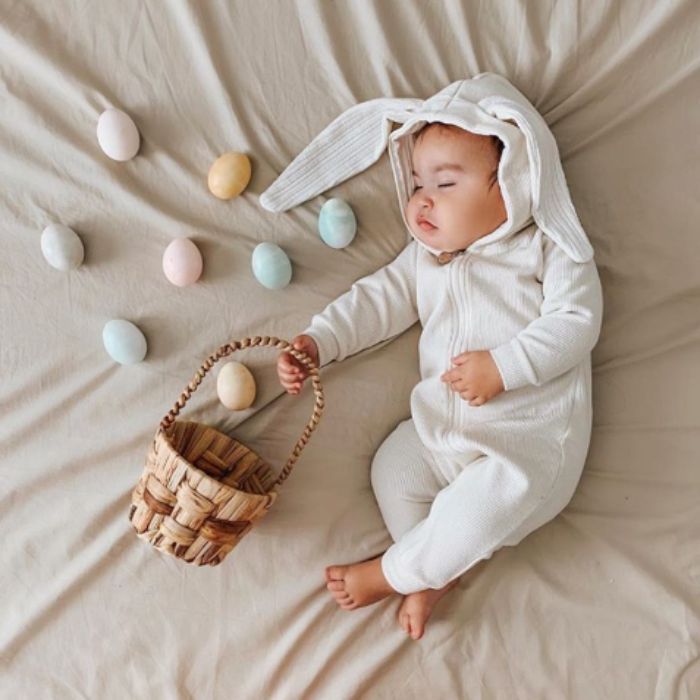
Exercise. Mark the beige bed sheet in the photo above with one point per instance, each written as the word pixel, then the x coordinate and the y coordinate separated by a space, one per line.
pixel 600 603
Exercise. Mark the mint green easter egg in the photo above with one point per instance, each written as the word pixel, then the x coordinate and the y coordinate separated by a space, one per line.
pixel 337 223
pixel 271 266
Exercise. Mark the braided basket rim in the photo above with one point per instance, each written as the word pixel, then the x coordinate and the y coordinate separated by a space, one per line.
pixel 227 488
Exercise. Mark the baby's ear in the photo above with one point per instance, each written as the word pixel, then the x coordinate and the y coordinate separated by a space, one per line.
pixel 348 145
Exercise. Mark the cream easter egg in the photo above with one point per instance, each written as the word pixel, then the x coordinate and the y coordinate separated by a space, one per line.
pixel 229 175
pixel 117 135
pixel 182 262
pixel 235 386
pixel 124 342
pixel 62 247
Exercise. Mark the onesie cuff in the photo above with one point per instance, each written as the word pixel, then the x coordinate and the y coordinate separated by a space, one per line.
pixel 510 365
pixel 325 341
pixel 399 580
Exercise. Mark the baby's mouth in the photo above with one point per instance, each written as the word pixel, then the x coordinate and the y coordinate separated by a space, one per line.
pixel 426 225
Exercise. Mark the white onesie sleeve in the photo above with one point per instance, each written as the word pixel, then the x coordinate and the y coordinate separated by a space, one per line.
pixel 567 329
pixel 378 306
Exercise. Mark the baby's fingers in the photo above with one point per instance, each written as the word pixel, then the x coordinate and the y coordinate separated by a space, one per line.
pixel 473 399
pixel 298 373
pixel 451 375
pixel 291 368
pixel 295 387
pixel 457 384
pixel 291 386
pixel 287 379
pixel 287 362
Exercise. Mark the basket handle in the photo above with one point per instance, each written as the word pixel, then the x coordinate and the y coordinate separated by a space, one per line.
pixel 235 345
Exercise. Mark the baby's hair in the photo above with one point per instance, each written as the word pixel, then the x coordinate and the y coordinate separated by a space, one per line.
pixel 496 143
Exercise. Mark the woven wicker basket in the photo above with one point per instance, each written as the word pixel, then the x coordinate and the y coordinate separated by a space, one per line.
pixel 201 491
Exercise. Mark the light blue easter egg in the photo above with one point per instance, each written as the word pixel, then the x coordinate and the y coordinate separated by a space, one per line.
pixel 271 266
pixel 124 342
pixel 337 223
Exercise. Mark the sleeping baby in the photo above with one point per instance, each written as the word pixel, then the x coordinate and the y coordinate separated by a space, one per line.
pixel 501 278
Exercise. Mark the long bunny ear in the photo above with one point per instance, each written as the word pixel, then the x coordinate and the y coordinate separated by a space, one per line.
pixel 347 146
pixel 552 208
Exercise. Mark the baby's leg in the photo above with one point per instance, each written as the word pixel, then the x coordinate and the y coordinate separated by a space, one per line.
pixel 490 504
pixel 405 487
pixel 405 483
pixel 403 480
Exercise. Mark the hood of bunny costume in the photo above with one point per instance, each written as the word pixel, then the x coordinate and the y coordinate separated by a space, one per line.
pixel 530 174
pixel 513 170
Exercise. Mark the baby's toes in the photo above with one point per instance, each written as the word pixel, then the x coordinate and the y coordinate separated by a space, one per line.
pixel 416 627
pixel 404 618
pixel 336 585
pixel 336 573
pixel 405 623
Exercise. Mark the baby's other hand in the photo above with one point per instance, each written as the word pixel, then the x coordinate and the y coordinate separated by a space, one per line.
pixel 476 377
pixel 290 371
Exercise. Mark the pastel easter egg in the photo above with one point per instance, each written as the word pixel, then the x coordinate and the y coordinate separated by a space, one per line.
pixel 124 342
pixel 235 386
pixel 117 134
pixel 337 223
pixel 62 247
pixel 182 262
pixel 271 266
pixel 229 175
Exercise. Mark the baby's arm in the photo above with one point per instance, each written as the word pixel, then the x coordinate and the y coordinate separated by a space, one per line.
pixel 566 331
pixel 378 306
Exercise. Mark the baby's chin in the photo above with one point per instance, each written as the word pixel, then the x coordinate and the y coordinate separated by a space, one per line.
pixel 428 237
pixel 437 240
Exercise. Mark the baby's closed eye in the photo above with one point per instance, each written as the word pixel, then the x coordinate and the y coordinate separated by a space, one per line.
pixel 444 184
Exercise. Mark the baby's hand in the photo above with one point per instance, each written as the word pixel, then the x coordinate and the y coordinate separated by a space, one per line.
pixel 290 371
pixel 476 377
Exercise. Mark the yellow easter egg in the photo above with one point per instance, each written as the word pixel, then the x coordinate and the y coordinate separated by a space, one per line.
pixel 235 386
pixel 229 175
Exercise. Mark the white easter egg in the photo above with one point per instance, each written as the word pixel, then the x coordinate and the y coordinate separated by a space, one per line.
pixel 62 247
pixel 235 386
pixel 337 223
pixel 124 341
pixel 117 134
pixel 271 266
pixel 182 262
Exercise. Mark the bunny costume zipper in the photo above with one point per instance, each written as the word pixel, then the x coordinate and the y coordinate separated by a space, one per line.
pixel 461 300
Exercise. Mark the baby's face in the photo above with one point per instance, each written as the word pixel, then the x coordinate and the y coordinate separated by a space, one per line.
pixel 454 201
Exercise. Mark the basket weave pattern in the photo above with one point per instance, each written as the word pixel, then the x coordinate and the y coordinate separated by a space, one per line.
pixel 201 491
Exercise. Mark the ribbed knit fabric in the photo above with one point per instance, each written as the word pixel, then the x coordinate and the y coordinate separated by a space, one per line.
pixel 539 313
pixel 349 144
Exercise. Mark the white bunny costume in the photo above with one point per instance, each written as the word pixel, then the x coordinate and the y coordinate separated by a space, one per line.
pixel 457 482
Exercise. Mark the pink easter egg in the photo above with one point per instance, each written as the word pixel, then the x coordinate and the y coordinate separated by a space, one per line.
pixel 182 262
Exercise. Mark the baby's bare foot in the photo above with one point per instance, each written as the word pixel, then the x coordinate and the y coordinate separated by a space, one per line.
pixel 355 585
pixel 416 608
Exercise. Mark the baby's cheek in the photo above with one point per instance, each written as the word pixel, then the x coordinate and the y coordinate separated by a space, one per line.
pixel 411 211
